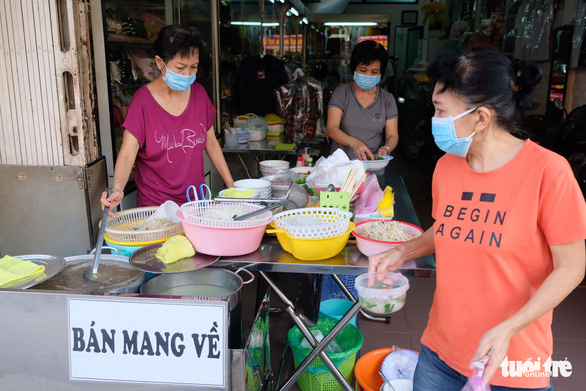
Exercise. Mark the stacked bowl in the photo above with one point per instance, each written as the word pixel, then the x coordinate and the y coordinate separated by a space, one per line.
pixel 260 187
pixel 272 167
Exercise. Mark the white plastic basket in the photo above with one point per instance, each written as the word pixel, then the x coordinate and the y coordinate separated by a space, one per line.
pixel 335 222
pixel 121 228
pixel 193 213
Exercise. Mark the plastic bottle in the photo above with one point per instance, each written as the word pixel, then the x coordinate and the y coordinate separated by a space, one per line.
pixel 309 162
pixel 305 155
pixel 300 162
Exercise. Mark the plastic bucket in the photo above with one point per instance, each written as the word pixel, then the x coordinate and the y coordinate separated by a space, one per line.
pixel 125 251
pixel 335 309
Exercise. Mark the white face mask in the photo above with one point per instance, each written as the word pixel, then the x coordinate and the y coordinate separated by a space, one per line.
pixel 445 137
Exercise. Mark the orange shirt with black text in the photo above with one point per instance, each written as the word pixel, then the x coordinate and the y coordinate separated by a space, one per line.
pixel 492 235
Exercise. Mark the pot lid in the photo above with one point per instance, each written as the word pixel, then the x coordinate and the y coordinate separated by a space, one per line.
pixel 145 259
pixel 115 272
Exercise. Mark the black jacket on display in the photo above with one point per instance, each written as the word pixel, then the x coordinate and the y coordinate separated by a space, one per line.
pixel 258 77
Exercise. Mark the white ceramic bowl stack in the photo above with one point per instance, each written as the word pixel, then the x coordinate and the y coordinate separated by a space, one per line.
pixel 260 187
pixel 272 167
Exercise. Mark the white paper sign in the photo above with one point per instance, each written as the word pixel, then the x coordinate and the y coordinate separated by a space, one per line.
pixel 130 341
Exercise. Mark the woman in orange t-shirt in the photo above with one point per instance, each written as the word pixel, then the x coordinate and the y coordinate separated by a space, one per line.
pixel 510 224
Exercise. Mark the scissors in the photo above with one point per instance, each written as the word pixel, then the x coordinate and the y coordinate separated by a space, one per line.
pixel 204 193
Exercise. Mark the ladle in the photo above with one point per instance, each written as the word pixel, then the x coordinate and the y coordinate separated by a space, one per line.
pixel 92 274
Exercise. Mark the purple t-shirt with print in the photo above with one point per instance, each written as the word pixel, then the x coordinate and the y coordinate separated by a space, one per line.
pixel 171 153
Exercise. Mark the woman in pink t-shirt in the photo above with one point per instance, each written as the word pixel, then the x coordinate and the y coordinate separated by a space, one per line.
pixel 168 127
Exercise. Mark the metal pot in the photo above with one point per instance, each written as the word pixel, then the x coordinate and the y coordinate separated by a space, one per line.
pixel 205 283
pixel 122 277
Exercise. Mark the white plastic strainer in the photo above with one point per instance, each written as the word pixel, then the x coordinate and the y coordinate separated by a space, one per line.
pixel 194 212
pixel 123 227
pixel 331 222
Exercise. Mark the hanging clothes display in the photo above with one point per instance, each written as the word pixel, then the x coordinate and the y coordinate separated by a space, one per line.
pixel 258 77
pixel 299 102
pixel 535 18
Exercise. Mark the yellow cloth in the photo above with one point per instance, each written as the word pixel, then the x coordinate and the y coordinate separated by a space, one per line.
pixel 174 249
pixel 14 271
pixel 235 193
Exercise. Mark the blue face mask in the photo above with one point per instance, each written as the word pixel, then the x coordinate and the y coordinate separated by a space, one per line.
pixel 176 81
pixel 366 82
pixel 444 134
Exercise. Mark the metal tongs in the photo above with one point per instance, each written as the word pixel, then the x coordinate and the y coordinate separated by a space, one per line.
pixel 285 202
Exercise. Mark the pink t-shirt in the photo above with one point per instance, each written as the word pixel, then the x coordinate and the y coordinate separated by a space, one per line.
pixel 171 154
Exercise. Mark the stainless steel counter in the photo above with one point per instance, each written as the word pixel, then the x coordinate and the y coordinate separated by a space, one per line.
pixel 271 257
pixel 256 147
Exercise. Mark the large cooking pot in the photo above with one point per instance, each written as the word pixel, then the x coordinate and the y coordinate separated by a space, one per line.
pixel 118 275
pixel 204 283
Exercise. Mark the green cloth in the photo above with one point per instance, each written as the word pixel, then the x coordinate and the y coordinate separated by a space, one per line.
pixel 14 271
pixel 284 147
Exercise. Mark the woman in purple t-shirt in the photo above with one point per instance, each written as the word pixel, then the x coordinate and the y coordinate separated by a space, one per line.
pixel 168 127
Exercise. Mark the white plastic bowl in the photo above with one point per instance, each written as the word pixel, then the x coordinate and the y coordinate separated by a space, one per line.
pixel 263 187
pixel 274 164
pixel 252 184
pixel 302 170
pixel 370 247
pixel 374 165
pixel 272 167
pixel 398 385
pixel 382 297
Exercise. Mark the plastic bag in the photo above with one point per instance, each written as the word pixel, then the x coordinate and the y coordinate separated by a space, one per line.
pixel 474 383
pixel 386 206
pixel 283 178
pixel 257 127
pixel 371 196
pixel 334 169
pixel 333 347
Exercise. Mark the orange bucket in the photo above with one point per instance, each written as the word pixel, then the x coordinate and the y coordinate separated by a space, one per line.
pixel 367 368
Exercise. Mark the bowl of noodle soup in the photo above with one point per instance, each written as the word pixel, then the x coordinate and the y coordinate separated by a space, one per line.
pixel 376 236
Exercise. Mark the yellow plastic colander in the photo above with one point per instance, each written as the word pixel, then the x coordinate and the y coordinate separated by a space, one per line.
pixel 312 249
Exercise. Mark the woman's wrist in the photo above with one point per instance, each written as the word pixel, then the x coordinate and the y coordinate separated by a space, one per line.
pixel 353 143
pixel 387 148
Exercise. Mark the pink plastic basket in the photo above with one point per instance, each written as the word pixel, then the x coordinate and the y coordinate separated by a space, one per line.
pixel 223 241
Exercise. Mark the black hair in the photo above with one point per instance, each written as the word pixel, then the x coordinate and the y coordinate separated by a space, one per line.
pixel 177 39
pixel 487 78
pixel 367 52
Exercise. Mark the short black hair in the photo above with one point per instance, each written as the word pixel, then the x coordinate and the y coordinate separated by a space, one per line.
pixel 487 78
pixel 367 52
pixel 177 39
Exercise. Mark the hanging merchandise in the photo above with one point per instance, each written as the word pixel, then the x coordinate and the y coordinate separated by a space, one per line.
pixel 534 20
pixel 258 77
pixel 299 102
pixel 578 57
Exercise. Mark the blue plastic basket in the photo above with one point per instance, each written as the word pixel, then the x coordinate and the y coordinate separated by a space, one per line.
pixel 331 290
pixel 125 251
